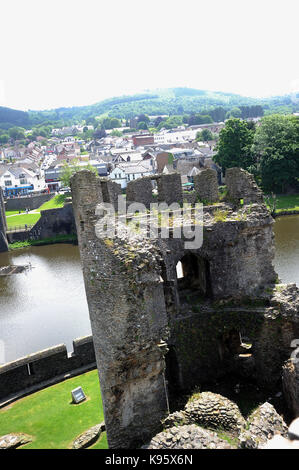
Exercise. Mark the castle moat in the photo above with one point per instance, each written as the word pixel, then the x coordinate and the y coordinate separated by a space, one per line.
pixel 45 305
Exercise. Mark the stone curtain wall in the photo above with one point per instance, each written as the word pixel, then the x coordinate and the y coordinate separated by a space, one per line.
pixel 31 203
pixel 44 365
pixel 52 222
pixel 206 186
pixel 3 225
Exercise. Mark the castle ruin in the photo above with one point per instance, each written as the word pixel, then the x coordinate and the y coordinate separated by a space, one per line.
pixel 155 330
pixel 3 225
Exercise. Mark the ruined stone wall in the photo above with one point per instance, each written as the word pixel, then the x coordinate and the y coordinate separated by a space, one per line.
pixel 30 202
pixel 170 188
pixel 239 253
pixel 3 225
pixel 140 190
pixel 54 222
pixel 206 186
pixel 291 385
pixel 110 191
pixel 202 338
pixel 16 376
pixel 128 321
pixel 241 185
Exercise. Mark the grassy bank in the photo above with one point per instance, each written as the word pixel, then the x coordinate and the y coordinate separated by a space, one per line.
pixel 72 238
pixel 54 203
pixel 50 417
pixel 14 219
pixel 284 203
pixel 22 220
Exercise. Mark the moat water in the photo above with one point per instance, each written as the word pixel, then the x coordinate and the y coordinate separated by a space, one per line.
pixel 46 305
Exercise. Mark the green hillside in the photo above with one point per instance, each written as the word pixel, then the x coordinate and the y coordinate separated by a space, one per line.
pixel 170 101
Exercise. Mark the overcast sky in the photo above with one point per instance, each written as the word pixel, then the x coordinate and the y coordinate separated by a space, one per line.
pixel 68 52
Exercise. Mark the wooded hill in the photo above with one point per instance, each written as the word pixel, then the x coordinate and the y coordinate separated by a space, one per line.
pixel 170 101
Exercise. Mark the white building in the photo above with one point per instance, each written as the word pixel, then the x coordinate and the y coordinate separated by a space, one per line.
pixel 170 137
pixel 17 180
pixel 125 172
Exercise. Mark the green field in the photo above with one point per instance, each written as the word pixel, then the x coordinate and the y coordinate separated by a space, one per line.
pixel 54 203
pixel 16 220
pixel 286 203
pixel 50 417
pixel 19 221
pixel 9 213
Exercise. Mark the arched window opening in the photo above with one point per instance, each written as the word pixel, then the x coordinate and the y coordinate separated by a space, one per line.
pixel 193 277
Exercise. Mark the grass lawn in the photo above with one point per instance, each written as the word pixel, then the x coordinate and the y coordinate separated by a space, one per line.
pixel 8 213
pixel 21 220
pixel 31 219
pixel 54 203
pixel 287 203
pixel 51 418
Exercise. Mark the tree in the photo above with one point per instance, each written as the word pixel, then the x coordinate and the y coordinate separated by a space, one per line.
pixel 142 125
pixel 234 145
pixel 171 122
pixel 234 113
pixel 114 123
pixel 99 133
pixel 157 121
pixel 218 114
pixel 91 121
pixel 4 138
pixel 69 169
pixel 116 133
pixel 143 118
pixel 204 135
pixel 196 119
pixel 17 133
pixel 276 151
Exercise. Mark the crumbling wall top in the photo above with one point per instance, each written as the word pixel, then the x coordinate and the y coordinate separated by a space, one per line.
pixel 241 185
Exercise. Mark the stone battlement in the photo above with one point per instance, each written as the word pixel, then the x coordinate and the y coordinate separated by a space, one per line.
pixel 44 365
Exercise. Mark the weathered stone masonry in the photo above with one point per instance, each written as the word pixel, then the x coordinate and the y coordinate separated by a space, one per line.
pixel 128 320
pixel 44 365
pixel 137 302
pixel 3 225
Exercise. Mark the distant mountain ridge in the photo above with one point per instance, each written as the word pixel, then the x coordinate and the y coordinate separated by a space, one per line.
pixel 171 101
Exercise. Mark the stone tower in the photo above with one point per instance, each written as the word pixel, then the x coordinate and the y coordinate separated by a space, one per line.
pixel 128 320
pixel 3 225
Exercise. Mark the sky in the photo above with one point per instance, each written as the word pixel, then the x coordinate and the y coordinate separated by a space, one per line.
pixel 71 52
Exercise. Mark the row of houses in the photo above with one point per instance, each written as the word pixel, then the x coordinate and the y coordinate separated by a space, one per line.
pixel 122 159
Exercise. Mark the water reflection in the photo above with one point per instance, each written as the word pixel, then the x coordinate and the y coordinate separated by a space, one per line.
pixel 286 262
pixel 44 306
